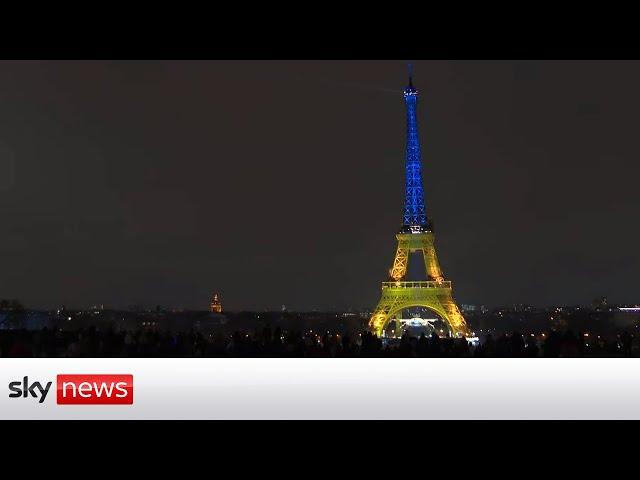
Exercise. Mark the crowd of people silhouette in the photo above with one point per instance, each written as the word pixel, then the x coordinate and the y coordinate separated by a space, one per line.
pixel 270 342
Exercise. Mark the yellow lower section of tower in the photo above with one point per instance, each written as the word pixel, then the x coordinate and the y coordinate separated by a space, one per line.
pixel 434 293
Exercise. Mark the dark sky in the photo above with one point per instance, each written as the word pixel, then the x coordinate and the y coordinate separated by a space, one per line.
pixel 281 182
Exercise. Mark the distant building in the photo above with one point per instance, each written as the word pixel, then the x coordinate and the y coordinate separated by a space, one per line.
pixel 216 306
pixel 521 307
pixel 600 304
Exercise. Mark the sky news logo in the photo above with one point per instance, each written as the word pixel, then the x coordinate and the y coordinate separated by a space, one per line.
pixel 78 389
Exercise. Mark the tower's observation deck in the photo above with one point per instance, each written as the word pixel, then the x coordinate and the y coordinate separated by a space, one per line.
pixel 445 284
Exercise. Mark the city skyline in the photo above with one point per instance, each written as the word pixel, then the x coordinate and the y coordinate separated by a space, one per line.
pixel 281 182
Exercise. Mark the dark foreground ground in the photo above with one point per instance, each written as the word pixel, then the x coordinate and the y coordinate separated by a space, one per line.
pixel 268 342
pixel 518 331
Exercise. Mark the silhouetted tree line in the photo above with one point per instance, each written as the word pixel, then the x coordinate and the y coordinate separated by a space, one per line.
pixel 11 305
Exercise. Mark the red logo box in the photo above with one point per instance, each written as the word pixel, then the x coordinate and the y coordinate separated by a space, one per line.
pixel 95 389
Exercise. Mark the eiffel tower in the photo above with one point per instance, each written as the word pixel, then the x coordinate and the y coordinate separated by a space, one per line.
pixel 416 235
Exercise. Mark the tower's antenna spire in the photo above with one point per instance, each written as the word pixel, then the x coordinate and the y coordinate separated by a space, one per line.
pixel 410 68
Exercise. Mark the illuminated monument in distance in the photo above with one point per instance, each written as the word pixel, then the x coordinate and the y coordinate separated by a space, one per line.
pixel 416 234
pixel 216 306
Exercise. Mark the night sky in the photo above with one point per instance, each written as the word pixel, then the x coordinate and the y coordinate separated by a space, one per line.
pixel 281 182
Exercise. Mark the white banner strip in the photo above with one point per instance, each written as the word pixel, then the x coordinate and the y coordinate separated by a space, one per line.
pixel 302 388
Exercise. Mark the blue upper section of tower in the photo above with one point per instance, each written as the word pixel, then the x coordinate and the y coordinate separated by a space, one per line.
pixel 414 210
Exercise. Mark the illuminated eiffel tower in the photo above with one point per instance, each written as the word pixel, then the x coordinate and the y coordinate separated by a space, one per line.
pixel 416 234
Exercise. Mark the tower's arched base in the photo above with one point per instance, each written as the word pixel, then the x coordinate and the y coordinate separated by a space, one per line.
pixel 435 296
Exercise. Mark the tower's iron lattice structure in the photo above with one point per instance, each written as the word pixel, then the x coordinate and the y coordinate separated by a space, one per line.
pixel 416 235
